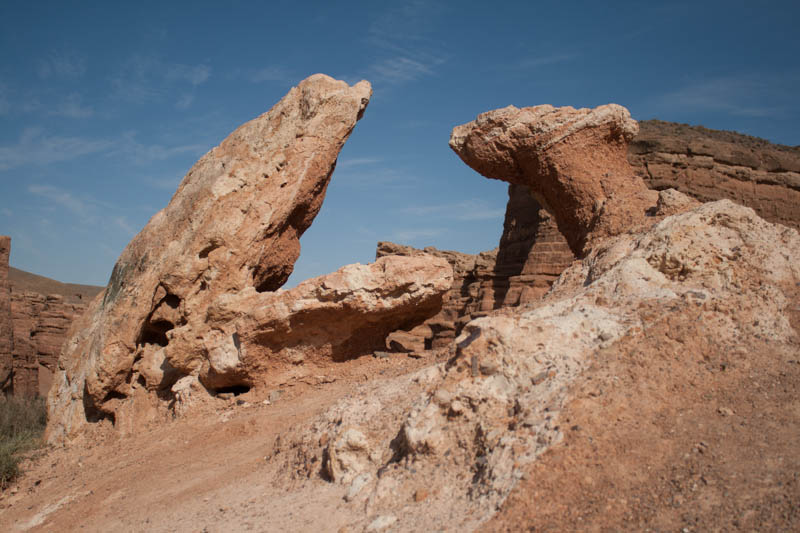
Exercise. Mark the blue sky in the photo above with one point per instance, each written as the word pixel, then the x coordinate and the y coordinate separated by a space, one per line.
pixel 104 106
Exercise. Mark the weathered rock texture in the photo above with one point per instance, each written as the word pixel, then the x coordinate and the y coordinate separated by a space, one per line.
pixel 40 326
pixel 572 160
pixel 711 286
pixel 234 223
pixel 703 164
pixel 712 165
pixel 6 329
pixel 248 336
pixel 472 276
pixel 35 315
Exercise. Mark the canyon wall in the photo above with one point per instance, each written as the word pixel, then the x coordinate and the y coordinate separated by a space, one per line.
pixel 40 324
pixel 702 163
pixel 6 338
pixel 714 165
pixel 35 315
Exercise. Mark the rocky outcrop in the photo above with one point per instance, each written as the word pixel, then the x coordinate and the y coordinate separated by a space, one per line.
pixel 33 326
pixel 704 289
pixel 712 165
pixel 572 160
pixel 473 275
pixel 247 337
pixel 532 252
pixel 6 329
pixel 40 326
pixel 704 164
pixel 234 223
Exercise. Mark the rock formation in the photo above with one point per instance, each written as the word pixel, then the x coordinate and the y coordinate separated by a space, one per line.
pixel 248 337
pixel 573 161
pixel 6 328
pixel 40 326
pixel 472 276
pixel 234 222
pixel 42 311
pixel 705 288
pixel 712 165
pixel 703 164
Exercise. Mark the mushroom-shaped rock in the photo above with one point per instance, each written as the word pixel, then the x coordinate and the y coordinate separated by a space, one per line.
pixel 234 222
pixel 573 160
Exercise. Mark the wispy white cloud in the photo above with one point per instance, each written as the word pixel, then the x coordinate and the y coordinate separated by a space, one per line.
pixel 364 176
pixel 401 69
pixel 464 211
pixel 411 235
pixel 357 162
pixel 193 74
pixel 743 96
pixel 124 225
pixel 184 101
pixel 62 198
pixel 141 153
pixel 72 107
pixel 62 64
pixel 402 35
pixel 35 147
pixel 143 79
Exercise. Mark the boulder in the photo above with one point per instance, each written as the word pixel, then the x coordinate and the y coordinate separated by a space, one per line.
pixel 248 337
pixel 234 223
pixel 473 276
pixel 572 160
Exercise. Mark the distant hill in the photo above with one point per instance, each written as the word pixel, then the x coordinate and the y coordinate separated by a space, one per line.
pixel 22 281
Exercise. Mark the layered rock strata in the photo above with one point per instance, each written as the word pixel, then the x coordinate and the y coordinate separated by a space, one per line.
pixel 40 323
pixel 473 275
pixel 234 223
pixel 704 164
pixel 572 160
pixel 712 165
pixel 6 328
pixel 704 289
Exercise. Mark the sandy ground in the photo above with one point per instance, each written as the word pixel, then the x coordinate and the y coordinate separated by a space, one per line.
pixel 210 471
pixel 686 439
pixel 690 438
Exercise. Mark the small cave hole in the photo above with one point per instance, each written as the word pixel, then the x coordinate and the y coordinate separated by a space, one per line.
pixel 236 390
pixel 207 250
pixel 155 333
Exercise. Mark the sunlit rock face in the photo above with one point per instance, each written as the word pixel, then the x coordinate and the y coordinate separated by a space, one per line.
pixel 233 224
pixel 572 160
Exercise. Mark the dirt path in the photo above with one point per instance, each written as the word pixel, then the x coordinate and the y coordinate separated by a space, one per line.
pixel 205 472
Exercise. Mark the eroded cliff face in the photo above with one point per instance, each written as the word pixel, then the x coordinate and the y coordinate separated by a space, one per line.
pixel 33 325
pixel 704 164
pixel 233 224
pixel 40 327
pixel 712 165
pixel 6 329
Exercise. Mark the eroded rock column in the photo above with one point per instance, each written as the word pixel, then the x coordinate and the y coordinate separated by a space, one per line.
pixel 573 161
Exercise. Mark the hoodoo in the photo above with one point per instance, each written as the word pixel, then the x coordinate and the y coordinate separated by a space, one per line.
pixel 572 160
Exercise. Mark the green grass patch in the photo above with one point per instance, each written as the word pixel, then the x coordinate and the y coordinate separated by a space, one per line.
pixel 22 422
